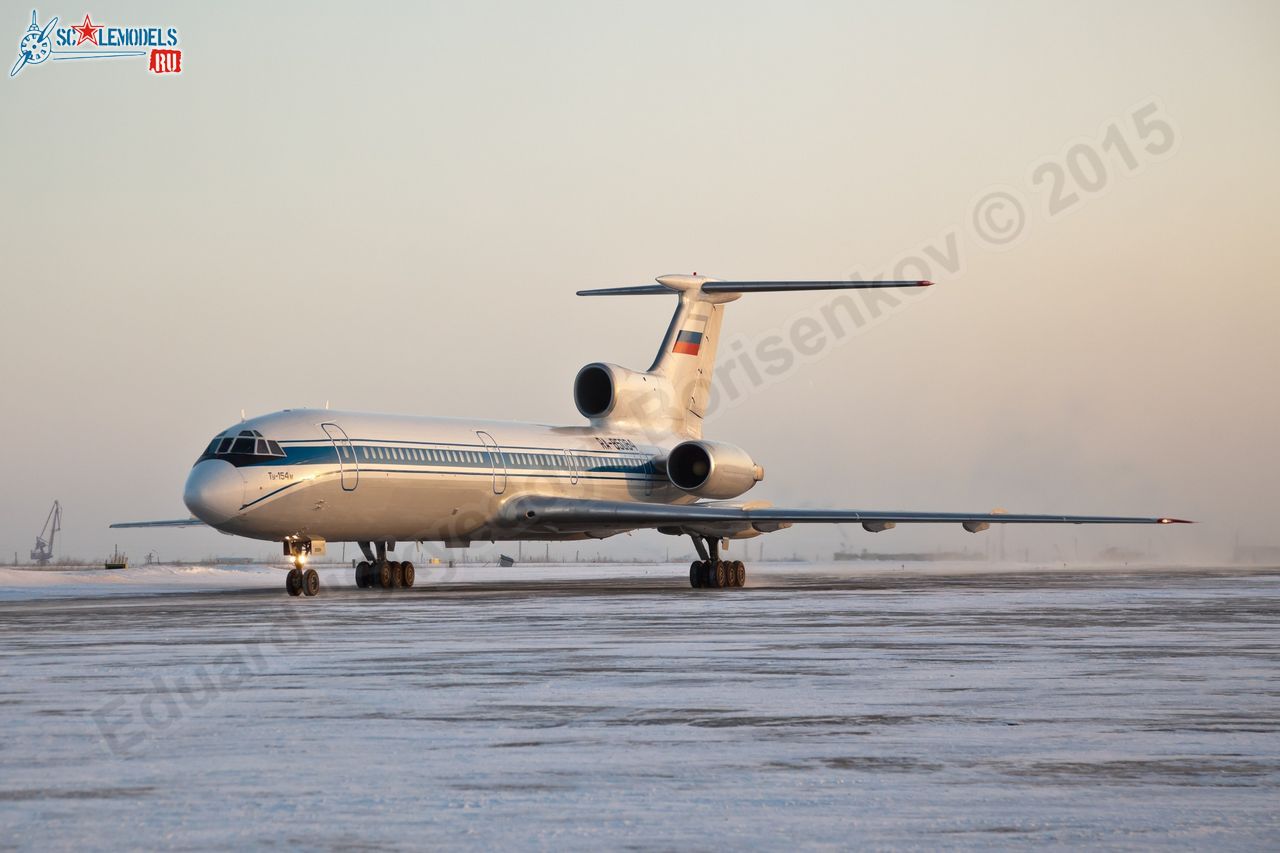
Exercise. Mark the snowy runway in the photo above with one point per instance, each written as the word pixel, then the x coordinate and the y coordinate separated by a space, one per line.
pixel 936 706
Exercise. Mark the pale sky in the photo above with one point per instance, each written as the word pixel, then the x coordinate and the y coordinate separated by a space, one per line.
pixel 389 207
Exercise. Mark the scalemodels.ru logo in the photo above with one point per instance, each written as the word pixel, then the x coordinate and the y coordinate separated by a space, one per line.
pixel 98 41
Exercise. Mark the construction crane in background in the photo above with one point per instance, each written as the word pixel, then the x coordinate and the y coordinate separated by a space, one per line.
pixel 43 552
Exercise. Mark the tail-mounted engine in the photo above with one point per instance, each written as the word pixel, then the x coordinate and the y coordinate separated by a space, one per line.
pixel 609 393
pixel 712 469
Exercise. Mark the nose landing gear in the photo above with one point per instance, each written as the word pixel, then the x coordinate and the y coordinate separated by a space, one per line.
pixel 300 580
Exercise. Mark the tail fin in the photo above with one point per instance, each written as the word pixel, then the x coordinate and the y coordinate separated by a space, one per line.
pixel 688 354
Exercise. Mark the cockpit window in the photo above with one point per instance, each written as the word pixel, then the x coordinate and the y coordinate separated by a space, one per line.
pixel 242 448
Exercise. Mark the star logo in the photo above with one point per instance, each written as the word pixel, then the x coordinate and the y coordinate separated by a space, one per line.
pixel 87 32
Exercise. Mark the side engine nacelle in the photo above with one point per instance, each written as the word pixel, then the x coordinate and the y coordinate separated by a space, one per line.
pixel 712 469
pixel 608 392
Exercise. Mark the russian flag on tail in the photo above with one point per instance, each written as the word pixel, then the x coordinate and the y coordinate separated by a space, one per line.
pixel 688 343
pixel 689 340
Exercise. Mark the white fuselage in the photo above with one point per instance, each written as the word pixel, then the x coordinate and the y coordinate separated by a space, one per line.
pixel 348 476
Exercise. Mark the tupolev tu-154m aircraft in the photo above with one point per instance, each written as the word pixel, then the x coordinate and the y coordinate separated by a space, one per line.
pixel 305 477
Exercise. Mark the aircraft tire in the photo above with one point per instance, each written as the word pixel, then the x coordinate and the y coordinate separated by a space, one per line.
pixel 397 574
pixel 311 582
pixel 721 575
pixel 695 574
pixel 293 582
pixel 385 576
pixel 362 574
pixel 739 573
pixel 406 574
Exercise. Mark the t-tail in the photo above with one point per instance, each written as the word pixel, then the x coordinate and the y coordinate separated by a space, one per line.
pixel 673 395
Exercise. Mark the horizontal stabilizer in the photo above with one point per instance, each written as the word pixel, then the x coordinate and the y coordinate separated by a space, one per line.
pixel 637 290
pixel 778 286
pixel 713 286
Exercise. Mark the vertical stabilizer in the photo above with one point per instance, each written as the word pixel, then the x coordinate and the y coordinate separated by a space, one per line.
pixel 687 358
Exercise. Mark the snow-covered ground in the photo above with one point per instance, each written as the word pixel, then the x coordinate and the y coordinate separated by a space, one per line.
pixel 833 705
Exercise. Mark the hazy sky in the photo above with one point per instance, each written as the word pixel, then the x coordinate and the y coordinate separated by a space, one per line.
pixel 389 207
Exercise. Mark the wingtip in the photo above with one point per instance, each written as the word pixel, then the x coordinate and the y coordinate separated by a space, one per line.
pixel 924 283
pixel 1176 521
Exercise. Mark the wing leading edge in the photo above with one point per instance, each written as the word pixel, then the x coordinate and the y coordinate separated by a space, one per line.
pixel 565 514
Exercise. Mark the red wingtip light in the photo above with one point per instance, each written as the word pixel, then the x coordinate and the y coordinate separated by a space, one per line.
pixel 1176 521
pixel 924 284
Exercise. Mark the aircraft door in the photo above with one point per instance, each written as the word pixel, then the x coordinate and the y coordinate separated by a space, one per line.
pixel 497 460
pixel 348 465
pixel 572 462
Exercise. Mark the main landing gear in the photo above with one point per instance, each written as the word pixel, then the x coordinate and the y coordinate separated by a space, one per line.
pixel 713 572
pixel 717 573
pixel 379 572
pixel 385 574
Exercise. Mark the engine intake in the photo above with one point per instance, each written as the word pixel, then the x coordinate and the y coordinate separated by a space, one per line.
pixel 593 391
pixel 712 469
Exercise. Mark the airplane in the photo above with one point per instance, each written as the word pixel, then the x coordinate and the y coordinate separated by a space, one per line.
pixel 307 477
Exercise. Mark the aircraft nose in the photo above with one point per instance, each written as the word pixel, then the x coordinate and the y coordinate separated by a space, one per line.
pixel 215 491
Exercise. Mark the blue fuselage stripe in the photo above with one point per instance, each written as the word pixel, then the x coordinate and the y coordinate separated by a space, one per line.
pixel 444 459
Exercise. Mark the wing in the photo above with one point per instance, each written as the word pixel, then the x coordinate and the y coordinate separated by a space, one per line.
pixel 175 522
pixel 568 515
